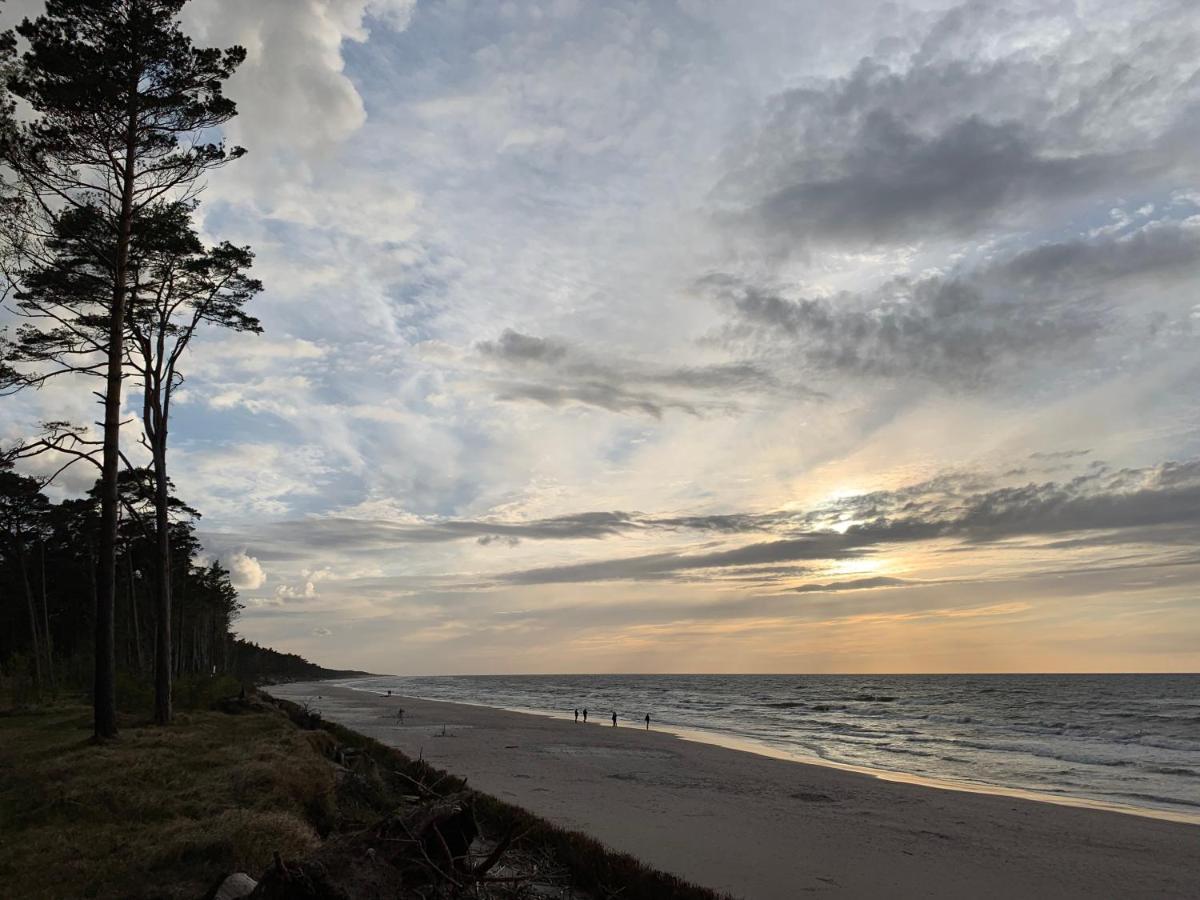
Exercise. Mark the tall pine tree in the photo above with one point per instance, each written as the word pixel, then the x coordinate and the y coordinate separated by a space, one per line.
pixel 179 287
pixel 124 109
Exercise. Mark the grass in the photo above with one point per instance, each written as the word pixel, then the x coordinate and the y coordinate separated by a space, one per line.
pixel 160 812
pixel 164 812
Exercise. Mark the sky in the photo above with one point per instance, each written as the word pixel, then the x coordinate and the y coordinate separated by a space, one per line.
pixel 697 336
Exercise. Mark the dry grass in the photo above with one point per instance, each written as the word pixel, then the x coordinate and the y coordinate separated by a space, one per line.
pixel 160 812
pixel 163 812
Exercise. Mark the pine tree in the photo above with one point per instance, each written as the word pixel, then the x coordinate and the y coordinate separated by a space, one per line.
pixel 124 107
pixel 179 287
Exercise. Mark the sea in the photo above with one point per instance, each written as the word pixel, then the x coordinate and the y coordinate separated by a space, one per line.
pixel 1125 740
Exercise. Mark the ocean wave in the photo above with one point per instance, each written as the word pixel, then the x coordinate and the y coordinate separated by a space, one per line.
pixel 1158 799
pixel 1092 737
pixel 1161 743
pixel 1171 770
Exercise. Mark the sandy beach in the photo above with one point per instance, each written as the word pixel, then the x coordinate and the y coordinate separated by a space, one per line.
pixel 759 827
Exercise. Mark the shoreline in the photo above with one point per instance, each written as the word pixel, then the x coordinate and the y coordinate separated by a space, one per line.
pixel 761 748
pixel 762 827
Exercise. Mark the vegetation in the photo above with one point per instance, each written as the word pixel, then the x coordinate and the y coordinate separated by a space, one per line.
pixel 594 870
pixel 49 561
pixel 47 587
pixel 262 665
pixel 169 812
pixel 162 812
pixel 100 254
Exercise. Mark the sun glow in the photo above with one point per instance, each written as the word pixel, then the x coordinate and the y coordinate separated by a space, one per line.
pixel 860 567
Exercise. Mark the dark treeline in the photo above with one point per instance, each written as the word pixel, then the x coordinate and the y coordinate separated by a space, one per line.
pixel 251 662
pixel 48 594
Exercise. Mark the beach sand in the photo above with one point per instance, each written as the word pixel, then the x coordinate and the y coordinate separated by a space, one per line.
pixel 759 827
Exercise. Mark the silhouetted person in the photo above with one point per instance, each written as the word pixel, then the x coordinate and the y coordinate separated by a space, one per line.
pixel 400 715
pixel 647 721
pixel 614 720
pixel 585 714
pixel 389 693
pixel 576 715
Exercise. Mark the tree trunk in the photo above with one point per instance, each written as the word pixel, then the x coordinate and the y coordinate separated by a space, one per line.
pixel 134 620
pixel 162 631
pixel 177 634
pixel 46 621
pixel 33 623
pixel 106 661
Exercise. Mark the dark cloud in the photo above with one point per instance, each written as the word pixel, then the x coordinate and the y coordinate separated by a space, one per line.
pixel 948 330
pixel 966 328
pixel 966 130
pixel 284 540
pixel 658 566
pixel 729 523
pixel 555 374
pixel 856 584
pixel 298 538
pixel 895 184
pixel 512 346
pixel 509 541
pixel 610 397
pixel 1129 502
pixel 1162 250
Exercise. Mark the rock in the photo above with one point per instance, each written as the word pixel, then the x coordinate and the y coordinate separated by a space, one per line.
pixel 236 886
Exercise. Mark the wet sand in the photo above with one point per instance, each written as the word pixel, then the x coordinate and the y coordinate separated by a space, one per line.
pixel 759 827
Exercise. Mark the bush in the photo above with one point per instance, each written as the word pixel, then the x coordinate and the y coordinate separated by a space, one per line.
pixel 134 694
pixel 202 691
pixel 16 680
pixel 238 840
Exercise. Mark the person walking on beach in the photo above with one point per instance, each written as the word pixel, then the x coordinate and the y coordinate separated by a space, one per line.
pixel 647 721
pixel 400 715
pixel 576 715
pixel 614 719
pixel 585 715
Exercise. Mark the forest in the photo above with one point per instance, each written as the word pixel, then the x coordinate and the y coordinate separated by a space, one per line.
pixel 110 129
pixel 48 589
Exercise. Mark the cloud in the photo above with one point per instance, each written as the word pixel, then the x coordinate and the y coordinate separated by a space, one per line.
pixel 894 184
pixel 665 565
pixel 514 347
pixel 1127 501
pixel 965 327
pixel 855 584
pixel 292 539
pixel 989 118
pixel 293 92
pixel 245 572
pixel 555 373
pixel 1100 506
pixel 305 590
pixel 608 397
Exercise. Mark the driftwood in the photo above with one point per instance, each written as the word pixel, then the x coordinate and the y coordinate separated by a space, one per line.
pixel 424 846
pixel 440 832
